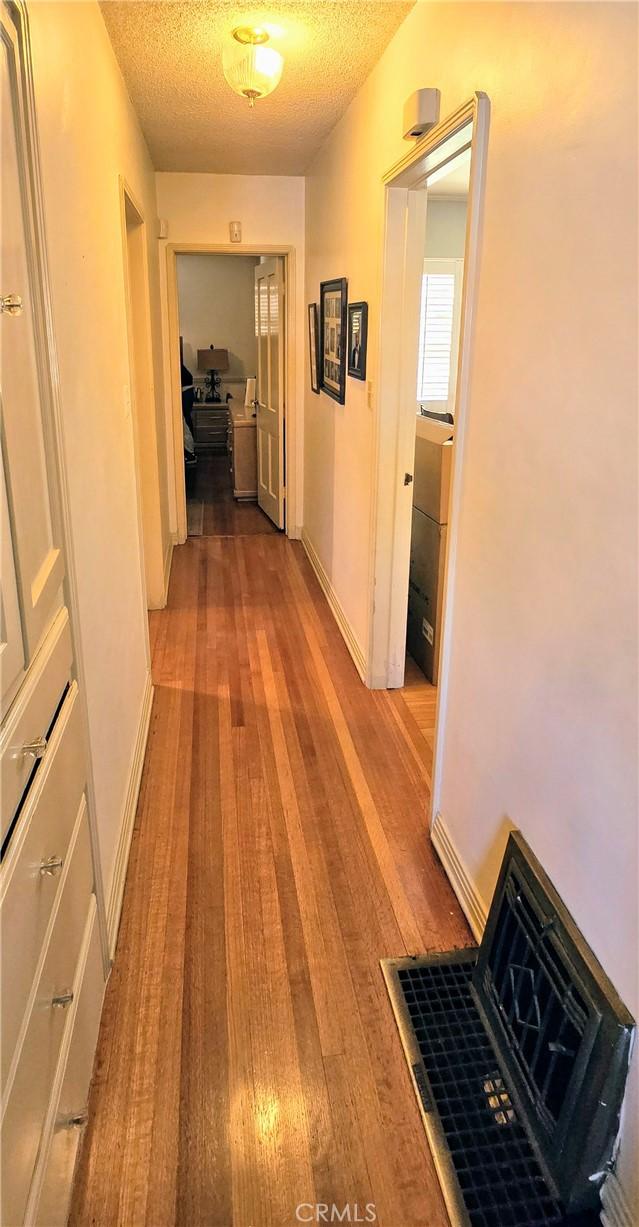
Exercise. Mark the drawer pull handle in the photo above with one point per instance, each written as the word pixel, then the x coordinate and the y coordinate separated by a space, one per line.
pixel 62 1000
pixel 77 1121
pixel 51 867
pixel 10 304
pixel 36 748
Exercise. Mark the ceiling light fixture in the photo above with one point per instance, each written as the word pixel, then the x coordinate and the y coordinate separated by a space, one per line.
pixel 252 69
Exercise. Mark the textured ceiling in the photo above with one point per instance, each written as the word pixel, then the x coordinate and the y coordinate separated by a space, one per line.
pixel 170 55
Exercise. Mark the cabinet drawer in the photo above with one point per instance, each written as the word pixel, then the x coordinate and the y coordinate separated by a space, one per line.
pixel 59 1156
pixel 31 1088
pixel 31 714
pixel 27 895
pixel 210 435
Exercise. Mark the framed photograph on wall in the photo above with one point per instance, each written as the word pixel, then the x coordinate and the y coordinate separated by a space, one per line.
pixel 357 339
pixel 333 303
pixel 313 346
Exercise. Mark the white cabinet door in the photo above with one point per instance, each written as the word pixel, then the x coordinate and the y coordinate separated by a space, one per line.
pixel 11 644
pixel 269 315
pixel 24 374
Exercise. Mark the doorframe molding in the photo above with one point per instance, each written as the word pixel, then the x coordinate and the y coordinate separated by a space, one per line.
pixel 292 411
pixel 405 217
pixel 127 196
pixel 54 426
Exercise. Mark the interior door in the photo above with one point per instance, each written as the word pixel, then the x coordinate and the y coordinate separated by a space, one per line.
pixel 24 375
pixel 270 391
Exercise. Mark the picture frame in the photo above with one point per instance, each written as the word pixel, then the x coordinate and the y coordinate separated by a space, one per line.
pixel 357 339
pixel 313 346
pixel 332 335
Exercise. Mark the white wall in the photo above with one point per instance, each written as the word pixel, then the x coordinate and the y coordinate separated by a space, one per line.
pixel 216 297
pixel 541 727
pixel 445 229
pixel 89 137
pixel 198 209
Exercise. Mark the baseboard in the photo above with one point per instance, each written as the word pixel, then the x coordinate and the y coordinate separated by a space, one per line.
pixel 470 900
pixel 616 1212
pixel 348 634
pixel 114 905
pixel 168 559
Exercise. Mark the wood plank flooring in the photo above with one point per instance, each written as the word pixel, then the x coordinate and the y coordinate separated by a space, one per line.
pixel 211 509
pixel 248 1060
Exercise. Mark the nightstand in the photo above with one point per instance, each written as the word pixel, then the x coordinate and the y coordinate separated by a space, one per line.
pixel 210 423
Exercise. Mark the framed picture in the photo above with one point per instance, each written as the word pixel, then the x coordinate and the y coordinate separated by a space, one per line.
pixel 333 299
pixel 313 346
pixel 357 338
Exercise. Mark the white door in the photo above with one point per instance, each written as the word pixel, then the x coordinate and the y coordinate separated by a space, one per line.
pixel 269 393
pixel 23 376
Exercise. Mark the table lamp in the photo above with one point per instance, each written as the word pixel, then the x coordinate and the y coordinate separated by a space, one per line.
pixel 213 361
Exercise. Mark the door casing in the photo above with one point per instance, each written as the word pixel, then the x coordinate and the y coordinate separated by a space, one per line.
pixel 293 410
pixel 142 399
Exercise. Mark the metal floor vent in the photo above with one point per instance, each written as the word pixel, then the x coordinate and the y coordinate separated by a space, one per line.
pixel 519 1053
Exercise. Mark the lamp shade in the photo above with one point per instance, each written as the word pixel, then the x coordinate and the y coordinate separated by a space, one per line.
pixel 212 359
pixel 251 70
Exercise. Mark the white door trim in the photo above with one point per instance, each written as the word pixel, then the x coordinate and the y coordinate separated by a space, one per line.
pixel 395 441
pixel 140 352
pixel 293 410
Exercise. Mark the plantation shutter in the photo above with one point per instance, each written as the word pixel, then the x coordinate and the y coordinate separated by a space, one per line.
pixel 439 333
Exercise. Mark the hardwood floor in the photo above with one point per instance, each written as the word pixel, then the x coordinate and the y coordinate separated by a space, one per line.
pixel 248 1060
pixel 420 697
pixel 210 507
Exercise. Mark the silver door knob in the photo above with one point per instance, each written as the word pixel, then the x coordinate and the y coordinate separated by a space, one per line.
pixel 36 747
pixel 51 867
pixel 62 1000
pixel 10 304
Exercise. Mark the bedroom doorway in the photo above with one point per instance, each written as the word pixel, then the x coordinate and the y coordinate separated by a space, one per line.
pixel 231 324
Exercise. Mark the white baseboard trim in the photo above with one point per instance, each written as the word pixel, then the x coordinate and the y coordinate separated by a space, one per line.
pixel 468 896
pixel 616 1211
pixel 168 559
pixel 348 634
pixel 114 905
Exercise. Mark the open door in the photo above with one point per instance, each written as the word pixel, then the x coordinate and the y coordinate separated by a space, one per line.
pixel 269 392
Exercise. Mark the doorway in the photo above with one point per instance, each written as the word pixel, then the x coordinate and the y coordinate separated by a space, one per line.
pixel 429 289
pixel 232 353
pixel 143 411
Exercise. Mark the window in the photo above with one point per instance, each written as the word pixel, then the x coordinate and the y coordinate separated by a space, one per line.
pixel 439 333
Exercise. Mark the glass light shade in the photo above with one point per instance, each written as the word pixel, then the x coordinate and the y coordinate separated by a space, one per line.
pixel 252 71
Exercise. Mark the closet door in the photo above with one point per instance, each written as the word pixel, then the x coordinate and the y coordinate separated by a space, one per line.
pixel 23 377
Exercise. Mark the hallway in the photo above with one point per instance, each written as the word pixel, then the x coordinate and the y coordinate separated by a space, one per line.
pixel 248 1058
